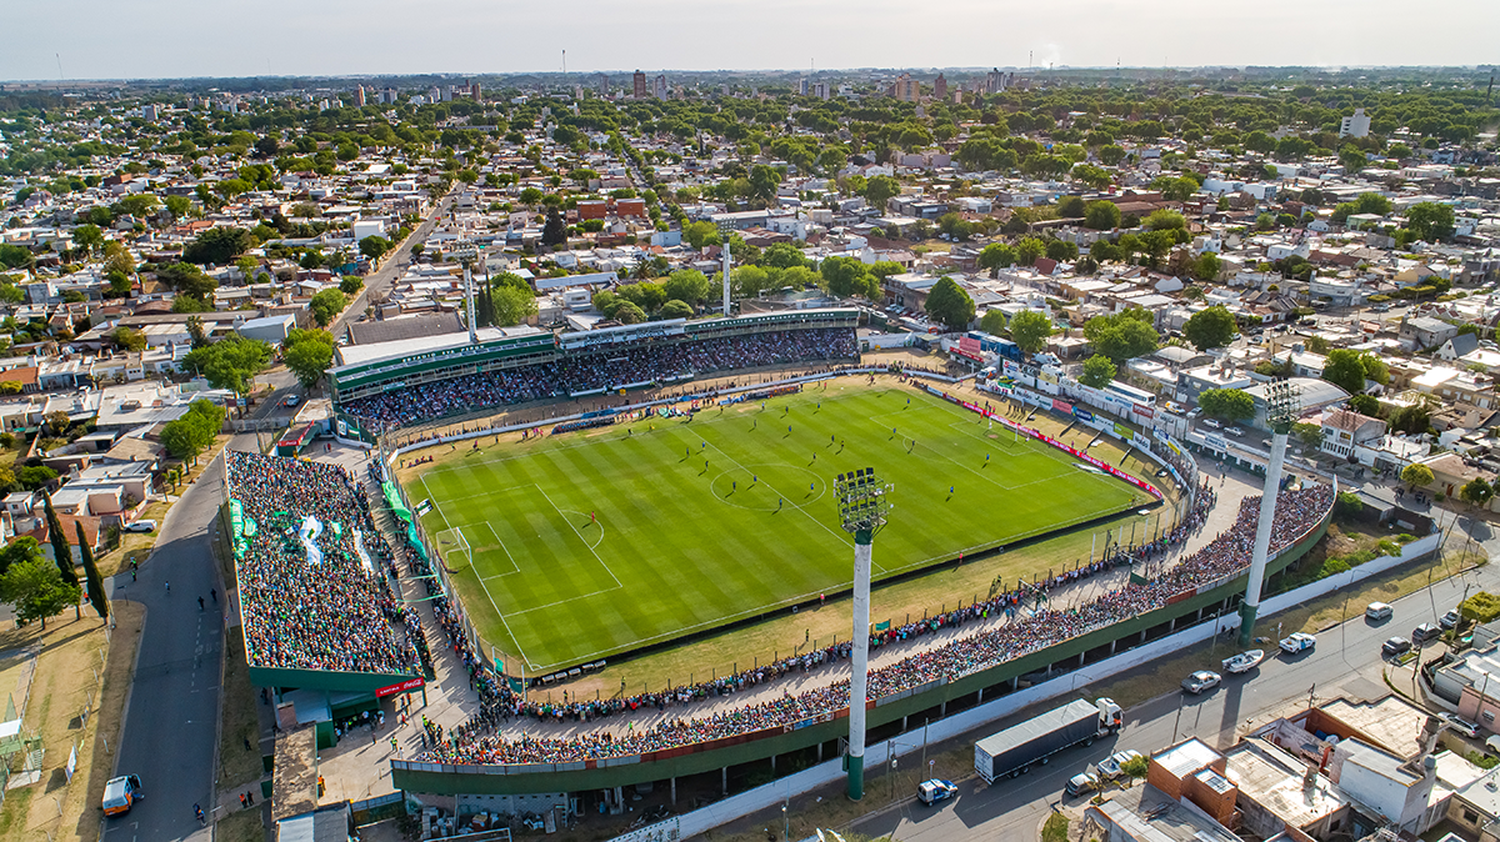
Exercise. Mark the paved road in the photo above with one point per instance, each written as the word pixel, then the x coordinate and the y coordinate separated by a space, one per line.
pixel 171 720
pixel 1346 661
pixel 282 381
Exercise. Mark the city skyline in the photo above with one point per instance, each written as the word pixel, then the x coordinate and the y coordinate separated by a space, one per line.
pixel 174 39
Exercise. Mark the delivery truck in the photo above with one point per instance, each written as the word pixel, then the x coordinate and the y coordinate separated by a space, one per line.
pixel 1013 751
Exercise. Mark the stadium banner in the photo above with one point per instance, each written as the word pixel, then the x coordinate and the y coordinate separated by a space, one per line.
pixel 969 345
pixel 1144 411
pixel 883 626
pixel 1062 406
pixel 1141 441
pixel 400 687
pixel 1082 414
pixel 1122 432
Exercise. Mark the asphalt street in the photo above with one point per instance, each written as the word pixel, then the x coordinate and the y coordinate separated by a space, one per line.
pixel 171 718
pixel 1346 662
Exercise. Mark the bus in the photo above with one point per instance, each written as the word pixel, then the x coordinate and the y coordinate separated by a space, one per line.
pixel 1130 393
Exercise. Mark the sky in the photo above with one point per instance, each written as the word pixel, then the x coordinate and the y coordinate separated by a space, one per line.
pixel 115 39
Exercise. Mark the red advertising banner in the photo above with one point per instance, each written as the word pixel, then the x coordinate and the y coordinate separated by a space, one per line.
pixel 409 684
pixel 969 345
pixel 1062 406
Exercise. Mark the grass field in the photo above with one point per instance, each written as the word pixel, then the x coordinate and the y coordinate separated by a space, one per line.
pixel 574 547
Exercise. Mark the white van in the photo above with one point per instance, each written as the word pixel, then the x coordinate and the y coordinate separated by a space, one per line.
pixel 1377 611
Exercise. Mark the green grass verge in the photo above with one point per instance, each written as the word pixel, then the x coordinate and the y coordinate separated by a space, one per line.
pixel 586 544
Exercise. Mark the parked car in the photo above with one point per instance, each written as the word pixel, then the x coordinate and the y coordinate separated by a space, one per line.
pixel 1297 642
pixel 1200 681
pixel 1449 620
pixel 1082 783
pixel 1425 632
pixel 935 790
pixel 1378 611
pixel 1212 423
pixel 142 525
pixel 290 400
pixel 120 794
pixel 1395 646
pixel 1235 431
pixel 1109 767
pixel 1461 725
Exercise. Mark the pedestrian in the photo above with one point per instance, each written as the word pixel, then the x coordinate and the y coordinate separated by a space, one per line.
pixel 198 814
pixel 168 584
pixel 250 796
pixel 200 603
pixel 132 574
pixel 394 745
pixel 214 592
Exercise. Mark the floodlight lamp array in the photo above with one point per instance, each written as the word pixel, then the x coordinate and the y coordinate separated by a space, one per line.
pixel 862 500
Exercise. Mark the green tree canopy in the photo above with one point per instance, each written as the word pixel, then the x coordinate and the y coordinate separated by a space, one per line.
pixel 193 433
pixel 880 189
pixel 687 285
pixel 326 305
pixel 36 590
pixel 1029 329
pixel 231 363
pixel 996 256
pixel 513 306
pixel 701 234
pixel 1101 215
pixel 950 305
pixel 1430 221
pixel 218 246
pixel 1228 404
pixel 1098 371
pixel 1122 336
pixel 308 353
pixel 1210 328
pixel 847 276
pixel 1417 475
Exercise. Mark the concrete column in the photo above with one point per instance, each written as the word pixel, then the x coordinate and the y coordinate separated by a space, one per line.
pixel 1261 548
pixel 903 723
pixel 724 780
pixel 980 700
pixel 863 541
pixel 773 764
pixel 943 709
pixel 674 789
pixel 1113 645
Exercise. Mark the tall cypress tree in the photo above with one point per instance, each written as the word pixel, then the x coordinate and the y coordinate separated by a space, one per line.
pixel 91 575
pixel 62 551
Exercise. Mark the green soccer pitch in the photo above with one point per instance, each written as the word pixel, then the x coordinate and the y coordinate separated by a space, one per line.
pixel 575 547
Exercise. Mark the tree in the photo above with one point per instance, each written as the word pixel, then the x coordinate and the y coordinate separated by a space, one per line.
pixel 687 285
pixel 1210 328
pixel 1207 266
pixel 1430 221
pixel 1070 207
pixel 1165 220
pixel 37 590
pixel 1311 435
pixel 218 246
pixel 308 353
pixel 1029 329
pixel 676 309
pixel 554 231
pixel 1342 368
pixel 89 237
pixel 1228 404
pixel 1365 405
pixel 847 276
pixel 1417 475
pixel 1476 491
pixel 1098 371
pixel 91 577
pixel 782 256
pixel 996 256
pixel 879 190
pixel 1123 336
pixel 1413 418
pixel 1028 250
pixel 1101 215
pixel 32 477
pixel 949 304
pixel 701 234
pixel 1062 250
pixel 992 322
pixel 374 246
pixel 326 304
pixel 187 279
pixel 17 551
pixel 513 306
pixel 629 313
pixel 193 433
pixel 130 340
pixel 62 551
pixel 231 363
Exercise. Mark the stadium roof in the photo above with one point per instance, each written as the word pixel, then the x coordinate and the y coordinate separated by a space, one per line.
pixel 399 348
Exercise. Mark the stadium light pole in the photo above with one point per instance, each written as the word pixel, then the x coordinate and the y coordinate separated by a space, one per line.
pixel 465 253
pixel 863 504
pixel 1282 405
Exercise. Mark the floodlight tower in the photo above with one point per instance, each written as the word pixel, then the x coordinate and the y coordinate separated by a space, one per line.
pixel 465 253
pixel 1282 405
pixel 863 504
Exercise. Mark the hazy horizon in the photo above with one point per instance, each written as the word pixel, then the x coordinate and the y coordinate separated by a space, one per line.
pixel 175 39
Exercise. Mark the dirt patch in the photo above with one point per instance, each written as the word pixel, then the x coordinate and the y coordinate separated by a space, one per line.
pixel 240 717
pixel 77 700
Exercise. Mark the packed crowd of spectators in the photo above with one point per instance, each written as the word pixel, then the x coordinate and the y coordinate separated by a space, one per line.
pixel 603 368
pixel 1026 631
pixel 336 613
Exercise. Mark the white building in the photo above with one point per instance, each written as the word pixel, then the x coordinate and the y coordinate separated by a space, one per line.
pixel 1355 125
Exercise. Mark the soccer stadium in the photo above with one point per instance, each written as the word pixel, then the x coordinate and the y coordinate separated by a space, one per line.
pixel 566 501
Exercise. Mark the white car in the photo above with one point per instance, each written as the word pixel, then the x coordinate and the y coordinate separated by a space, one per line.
pixel 1297 642
pixel 1200 681
pixel 143 525
pixel 1109 767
